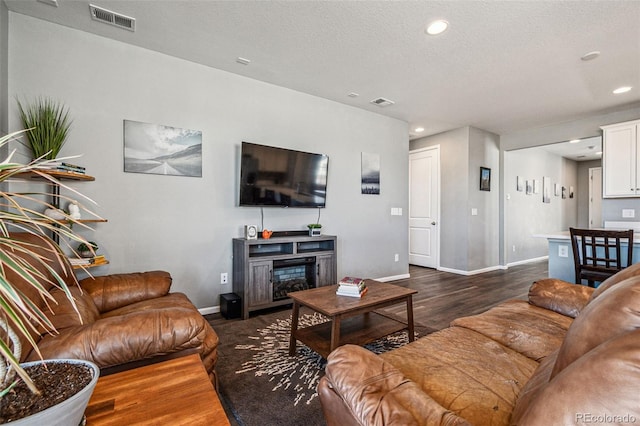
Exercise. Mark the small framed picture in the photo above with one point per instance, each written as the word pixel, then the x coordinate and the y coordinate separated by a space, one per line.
pixel 485 179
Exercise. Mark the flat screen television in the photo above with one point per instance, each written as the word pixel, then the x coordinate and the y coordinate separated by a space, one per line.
pixel 272 176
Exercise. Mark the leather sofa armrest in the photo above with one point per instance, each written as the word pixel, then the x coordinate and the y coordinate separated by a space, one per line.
pixel 373 392
pixel 110 292
pixel 560 296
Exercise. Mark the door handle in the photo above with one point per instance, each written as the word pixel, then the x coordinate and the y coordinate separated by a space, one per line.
pixel 433 223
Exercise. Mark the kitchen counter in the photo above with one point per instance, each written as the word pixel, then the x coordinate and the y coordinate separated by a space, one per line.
pixel 561 255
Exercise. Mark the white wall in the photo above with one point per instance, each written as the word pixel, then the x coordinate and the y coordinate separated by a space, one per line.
pixel 577 129
pixel 484 238
pixel 525 214
pixel 185 225
pixel 467 243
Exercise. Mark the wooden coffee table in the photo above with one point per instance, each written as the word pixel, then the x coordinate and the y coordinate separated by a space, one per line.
pixel 174 392
pixel 352 319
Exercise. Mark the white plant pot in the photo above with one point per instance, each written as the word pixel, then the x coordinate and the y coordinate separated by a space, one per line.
pixel 69 412
pixel 315 232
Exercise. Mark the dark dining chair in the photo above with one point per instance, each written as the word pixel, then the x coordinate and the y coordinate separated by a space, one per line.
pixel 598 253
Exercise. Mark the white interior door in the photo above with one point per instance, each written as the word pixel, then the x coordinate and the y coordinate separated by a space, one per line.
pixel 595 197
pixel 424 207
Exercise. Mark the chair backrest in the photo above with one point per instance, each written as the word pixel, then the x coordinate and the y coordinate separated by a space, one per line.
pixel 598 253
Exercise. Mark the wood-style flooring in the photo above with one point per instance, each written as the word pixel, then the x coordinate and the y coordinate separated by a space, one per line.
pixel 444 296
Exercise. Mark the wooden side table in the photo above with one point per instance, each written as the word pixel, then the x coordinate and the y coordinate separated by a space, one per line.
pixel 175 392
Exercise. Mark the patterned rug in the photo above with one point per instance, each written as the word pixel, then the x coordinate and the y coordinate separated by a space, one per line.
pixel 260 384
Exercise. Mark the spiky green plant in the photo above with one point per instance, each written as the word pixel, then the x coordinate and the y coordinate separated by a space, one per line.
pixel 48 125
pixel 16 310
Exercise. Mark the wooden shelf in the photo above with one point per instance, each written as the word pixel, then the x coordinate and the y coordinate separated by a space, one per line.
pixel 58 174
pixel 91 265
pixel 67 222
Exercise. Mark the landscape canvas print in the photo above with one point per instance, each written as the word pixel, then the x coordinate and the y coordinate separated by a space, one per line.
pixel 162 150
pixel 370 173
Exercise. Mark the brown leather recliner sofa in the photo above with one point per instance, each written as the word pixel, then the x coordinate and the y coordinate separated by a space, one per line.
pixel 125 320
pixel 520 363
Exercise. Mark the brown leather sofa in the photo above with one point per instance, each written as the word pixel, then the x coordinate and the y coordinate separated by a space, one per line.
pixel 124 320
pixel 520 363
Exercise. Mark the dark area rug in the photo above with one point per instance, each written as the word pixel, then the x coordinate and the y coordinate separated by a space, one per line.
pixel 260 384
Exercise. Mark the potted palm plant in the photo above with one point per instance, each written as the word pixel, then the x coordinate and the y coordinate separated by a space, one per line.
pixel 48 124
pixel 20 315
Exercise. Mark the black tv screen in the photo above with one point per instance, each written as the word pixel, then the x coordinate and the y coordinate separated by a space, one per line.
pixel 271 176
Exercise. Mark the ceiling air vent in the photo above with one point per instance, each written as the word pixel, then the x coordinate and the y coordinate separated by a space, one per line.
pixel 382 102
pixel 112 18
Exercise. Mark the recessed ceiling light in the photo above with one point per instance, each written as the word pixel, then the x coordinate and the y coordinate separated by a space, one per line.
pixel 353 95
pixel 623 89
pixel 419 129
pixel 437 27
pixel 574 141
pixel 243 61
pixel 591 55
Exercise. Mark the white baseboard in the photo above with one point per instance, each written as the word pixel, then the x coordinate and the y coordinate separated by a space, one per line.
pixel 474 272
pixel 524 262
pixel 393 278
pixel 210 310
pixel 492 268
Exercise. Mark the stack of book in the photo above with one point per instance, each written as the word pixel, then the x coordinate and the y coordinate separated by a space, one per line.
pixel 88 261
pixel 64 167
pixel 352 287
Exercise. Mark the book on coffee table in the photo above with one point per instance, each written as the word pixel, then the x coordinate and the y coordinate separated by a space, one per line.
pixel 351 286
pixel 350 293
pixel 354 281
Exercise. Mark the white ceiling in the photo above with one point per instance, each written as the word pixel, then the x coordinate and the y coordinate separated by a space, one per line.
pixel 502 66
pixel 586 149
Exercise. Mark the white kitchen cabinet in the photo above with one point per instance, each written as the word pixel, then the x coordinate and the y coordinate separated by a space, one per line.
pixel 621 160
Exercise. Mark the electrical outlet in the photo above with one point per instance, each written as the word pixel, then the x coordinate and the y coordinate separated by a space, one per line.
pixel 628 213
pixel 563 251
pixel 224 278
pixel 513 249
pixel 396 257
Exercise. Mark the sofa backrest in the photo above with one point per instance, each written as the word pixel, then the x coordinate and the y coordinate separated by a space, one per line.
pixel 631 271
pixel 597 368
pixel 600 387
pixel 615 312
pixel 60 311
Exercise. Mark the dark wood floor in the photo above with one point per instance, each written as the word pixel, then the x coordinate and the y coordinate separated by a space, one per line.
pixel 444 296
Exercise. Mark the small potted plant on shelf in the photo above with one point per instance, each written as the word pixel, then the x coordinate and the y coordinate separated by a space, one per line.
pixel 87 249
pixel 315 229
pixel 20 315
pixel 48 124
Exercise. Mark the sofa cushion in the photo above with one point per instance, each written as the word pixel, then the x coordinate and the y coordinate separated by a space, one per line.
pixel 466 372
pixel 63 315
pixel 110 292
pixel 601 387
pixel 560 296
pixel 377 392
pixel 125 338
pixel 171 300
pixel 615 312
pixel 532 331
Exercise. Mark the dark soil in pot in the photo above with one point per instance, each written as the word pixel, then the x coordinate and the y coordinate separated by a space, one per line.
pixel 56 381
